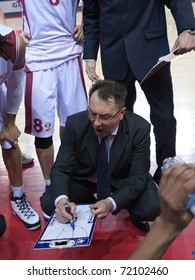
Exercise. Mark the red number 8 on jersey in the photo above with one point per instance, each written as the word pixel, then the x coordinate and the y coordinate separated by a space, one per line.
pixel 54 2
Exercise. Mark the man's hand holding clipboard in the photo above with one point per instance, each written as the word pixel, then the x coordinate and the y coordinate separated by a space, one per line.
pixel 161 63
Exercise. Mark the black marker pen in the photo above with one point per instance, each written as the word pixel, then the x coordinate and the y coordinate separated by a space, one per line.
pixel 69 212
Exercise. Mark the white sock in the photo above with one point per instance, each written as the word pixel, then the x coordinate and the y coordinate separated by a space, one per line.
pixel 17 191
pixel 47 182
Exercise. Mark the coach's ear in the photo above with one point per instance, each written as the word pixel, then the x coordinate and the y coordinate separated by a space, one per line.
pixel 122 112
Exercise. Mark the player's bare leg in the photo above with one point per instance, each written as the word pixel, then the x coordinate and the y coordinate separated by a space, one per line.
pixel 46 160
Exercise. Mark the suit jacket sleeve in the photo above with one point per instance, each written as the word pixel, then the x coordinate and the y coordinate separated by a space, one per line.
pixel 91 14
pixel 183 14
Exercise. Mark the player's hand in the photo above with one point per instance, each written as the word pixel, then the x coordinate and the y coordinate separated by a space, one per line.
pixel 78 34
pixel 61 214
pixel 91 71
pixel 101 208
pixel 26 37
pixel 11 134
pixel 175 184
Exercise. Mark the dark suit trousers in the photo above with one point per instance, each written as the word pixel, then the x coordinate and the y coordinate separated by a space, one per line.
pixel 145 207
pixel 159 94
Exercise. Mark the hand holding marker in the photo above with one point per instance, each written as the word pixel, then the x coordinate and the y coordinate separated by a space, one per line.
pixel 68 210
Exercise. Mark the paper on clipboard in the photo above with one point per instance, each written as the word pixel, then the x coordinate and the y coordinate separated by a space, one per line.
pixel 59 235
pixel 161 62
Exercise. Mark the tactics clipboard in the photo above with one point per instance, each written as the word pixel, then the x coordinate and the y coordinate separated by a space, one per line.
pixel 59 235
pixel 161 63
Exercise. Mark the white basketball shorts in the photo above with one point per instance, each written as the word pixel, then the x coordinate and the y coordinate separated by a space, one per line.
pixel 61 87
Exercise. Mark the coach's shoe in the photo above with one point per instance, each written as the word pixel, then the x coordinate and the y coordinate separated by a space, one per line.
pixel 21 207
pixel 143 225
pixel 26 159
pixel 2 225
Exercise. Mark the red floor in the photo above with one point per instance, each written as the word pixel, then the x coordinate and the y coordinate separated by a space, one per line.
pixel 114 238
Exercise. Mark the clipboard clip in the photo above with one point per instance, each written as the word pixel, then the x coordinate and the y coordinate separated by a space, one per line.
pixel 61 243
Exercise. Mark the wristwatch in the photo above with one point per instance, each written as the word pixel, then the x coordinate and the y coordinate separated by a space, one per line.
pixel 190 31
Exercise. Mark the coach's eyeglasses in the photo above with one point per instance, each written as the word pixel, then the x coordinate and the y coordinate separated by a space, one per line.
pixel 101 117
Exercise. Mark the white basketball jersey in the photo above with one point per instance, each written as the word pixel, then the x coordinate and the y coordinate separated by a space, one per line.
pixel 51 24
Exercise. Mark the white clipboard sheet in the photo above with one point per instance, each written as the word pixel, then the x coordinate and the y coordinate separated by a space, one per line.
pixel 161 62
pixel 59 235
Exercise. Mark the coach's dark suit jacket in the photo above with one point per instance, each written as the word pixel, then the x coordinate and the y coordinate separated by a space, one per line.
pixel 129 158
pixel 131 31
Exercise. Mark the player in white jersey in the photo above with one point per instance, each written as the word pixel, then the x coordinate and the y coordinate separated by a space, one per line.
pixel 53 71
pixel 12 61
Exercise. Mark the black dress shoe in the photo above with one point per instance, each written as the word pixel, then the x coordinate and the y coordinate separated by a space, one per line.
pixel 2 225
pixel 144 226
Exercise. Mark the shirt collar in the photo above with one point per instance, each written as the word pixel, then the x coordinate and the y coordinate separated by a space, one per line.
pixel 112 135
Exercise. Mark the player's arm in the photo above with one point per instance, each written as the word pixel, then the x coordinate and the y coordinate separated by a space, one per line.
pixel 15 89
pixel 23 41
pixel 10 131
pixel 78 31
pixel 175 185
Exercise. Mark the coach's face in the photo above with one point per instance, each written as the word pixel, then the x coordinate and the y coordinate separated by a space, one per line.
pixel 104 115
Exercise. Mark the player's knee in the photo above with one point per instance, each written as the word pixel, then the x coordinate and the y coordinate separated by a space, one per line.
pixel 43 143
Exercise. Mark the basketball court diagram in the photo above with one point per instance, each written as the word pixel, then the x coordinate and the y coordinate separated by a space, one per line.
pixel 59 235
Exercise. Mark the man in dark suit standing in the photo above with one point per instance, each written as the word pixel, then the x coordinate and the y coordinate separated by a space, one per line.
pixel 132 36
pixel 74 176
